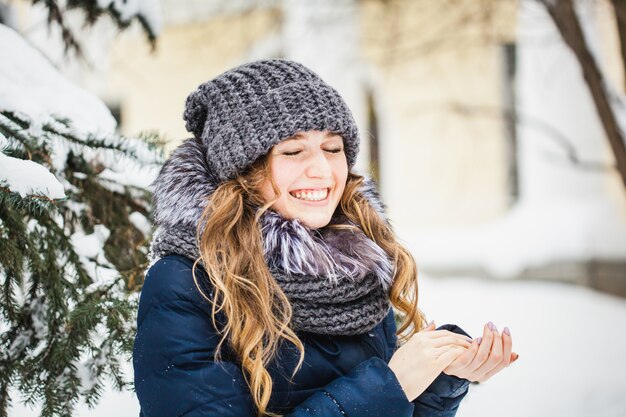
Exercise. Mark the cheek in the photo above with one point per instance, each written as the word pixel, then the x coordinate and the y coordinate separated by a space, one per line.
pixel 340 171
pixel 284 174
pixel 267 191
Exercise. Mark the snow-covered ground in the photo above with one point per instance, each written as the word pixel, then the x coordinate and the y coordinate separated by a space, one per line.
pixel 570 340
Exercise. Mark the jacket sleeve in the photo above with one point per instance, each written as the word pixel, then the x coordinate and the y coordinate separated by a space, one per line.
pixel 175 373
pixel 443 396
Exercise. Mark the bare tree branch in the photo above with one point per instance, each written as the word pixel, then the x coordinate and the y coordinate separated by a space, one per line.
pixel 514 116
pixel 619 6
pixel 436 25
pixel 566 20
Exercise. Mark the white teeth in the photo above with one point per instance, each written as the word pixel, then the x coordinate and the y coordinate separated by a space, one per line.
pixel 311 195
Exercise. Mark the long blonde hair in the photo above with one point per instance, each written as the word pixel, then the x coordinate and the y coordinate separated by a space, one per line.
pixel 257 311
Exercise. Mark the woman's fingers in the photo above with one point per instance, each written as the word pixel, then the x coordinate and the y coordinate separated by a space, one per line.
pixel 461 363
pixel 440 334
pixel 451 340
pixel 492 360
pixel 483 350
pixel 442 337
pixel 450 353
pixel 500 359
pixel 507 342
pixel 470 354
pixel 496 355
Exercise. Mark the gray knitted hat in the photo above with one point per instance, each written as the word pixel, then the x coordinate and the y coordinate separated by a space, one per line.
pixel 240 114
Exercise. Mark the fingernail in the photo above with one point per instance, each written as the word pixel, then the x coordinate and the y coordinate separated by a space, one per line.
pixel 506 330
pixel 480 339
pixel 495 329
pixel 469 339
pixel 490 325
pixel 431 322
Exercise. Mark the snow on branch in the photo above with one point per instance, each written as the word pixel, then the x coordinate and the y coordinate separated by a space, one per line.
pixel 74 203
pixel 28 178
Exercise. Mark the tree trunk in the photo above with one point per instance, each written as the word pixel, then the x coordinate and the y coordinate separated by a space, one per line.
pixel 566 20
pixel 619 6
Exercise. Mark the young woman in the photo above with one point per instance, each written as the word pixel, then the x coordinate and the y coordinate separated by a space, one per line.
pixel 274 270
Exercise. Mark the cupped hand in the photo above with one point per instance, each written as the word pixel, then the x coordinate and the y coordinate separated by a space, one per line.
pixel 421 359
pixel 485 359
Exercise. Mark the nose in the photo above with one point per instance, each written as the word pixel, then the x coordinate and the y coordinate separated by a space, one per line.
pixel 319 166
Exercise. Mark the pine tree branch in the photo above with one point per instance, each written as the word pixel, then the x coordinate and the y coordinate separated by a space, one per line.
pixel 69 39
pixel 41 256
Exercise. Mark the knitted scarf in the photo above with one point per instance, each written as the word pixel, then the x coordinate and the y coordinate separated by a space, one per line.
pixel 337 281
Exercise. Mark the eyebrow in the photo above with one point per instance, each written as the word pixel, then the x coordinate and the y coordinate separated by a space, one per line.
pixel 299 136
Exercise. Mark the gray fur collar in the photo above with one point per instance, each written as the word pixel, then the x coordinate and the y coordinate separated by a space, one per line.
pixel 294 249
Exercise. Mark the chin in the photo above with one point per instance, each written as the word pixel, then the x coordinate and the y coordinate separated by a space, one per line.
pixel 315 223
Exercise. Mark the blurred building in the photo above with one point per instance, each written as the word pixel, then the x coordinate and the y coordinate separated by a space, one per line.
pixel 469 113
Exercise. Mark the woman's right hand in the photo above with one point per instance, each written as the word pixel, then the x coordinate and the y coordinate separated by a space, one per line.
pixel 424 356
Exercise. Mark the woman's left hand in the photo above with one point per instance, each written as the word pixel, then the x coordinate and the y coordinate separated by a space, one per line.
pixel 481 362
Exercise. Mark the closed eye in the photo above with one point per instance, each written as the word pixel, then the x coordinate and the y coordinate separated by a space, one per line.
pixel 297 152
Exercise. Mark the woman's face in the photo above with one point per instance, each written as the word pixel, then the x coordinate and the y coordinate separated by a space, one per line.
pixel 310 169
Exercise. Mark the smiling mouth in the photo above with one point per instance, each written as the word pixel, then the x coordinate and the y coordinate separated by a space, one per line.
pixel 311 195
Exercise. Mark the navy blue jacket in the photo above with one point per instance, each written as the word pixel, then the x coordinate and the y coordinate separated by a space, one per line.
pixel 175 374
